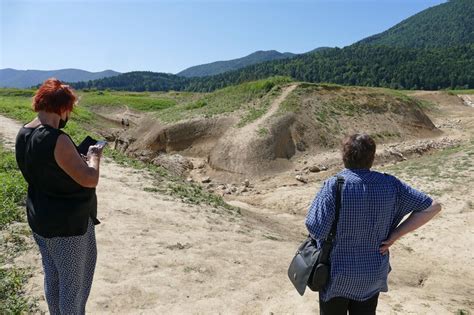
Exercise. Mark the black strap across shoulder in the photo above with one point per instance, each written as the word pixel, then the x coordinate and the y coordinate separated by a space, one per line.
pixel 339 184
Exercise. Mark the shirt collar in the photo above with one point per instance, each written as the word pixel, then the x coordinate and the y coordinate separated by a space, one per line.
pixel 358 170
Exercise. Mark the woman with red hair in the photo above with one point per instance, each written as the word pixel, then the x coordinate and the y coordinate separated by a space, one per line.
pixel 61 202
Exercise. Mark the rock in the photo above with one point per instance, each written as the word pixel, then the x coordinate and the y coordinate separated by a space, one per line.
pixel 244 189
pixel 201 164
pixel 301 179
pixel 246 183
pixel 210 185
pixel 323 168
pixel 190 180
pixel 206 180
pixel 233 189
pixel 314 169
pixel 301 146
pixel 175 163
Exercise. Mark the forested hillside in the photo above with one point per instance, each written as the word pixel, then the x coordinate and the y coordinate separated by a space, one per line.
pixel 219 67
pixel 446 25
pixel 431 50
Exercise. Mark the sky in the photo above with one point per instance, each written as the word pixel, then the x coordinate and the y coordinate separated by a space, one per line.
pixel 169 36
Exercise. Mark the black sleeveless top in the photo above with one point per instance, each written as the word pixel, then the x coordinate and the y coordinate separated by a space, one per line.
pixel 56 205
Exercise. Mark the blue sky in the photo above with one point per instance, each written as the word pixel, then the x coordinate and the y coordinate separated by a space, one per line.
pixel 169 36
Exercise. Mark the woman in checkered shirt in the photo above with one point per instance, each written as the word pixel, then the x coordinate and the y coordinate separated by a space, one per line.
pixel 372 208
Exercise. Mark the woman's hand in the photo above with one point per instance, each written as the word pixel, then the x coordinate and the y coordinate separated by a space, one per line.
pixel 94 151
pixel 69 160
pixel 414 221
pixel 386 244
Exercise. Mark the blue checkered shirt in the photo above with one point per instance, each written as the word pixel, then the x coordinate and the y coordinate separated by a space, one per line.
pixel 373 204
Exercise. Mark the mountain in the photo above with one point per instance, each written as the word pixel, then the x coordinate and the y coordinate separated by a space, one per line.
pixel 447 24
pixel 363 65
pixel 407 56
pixel 218 67
pixel 27 78
pixel 137 81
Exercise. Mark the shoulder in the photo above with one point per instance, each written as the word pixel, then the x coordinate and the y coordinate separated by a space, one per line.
pixel 63 141
pixel 384 177
pixel 23 133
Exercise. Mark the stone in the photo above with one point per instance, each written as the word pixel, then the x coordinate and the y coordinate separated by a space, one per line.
pixel 301 179
pixel 314 169
pixel 175 163
pixel 206 180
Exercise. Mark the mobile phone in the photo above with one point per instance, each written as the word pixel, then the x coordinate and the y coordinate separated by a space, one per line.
pixel 85 144
pixel 101 143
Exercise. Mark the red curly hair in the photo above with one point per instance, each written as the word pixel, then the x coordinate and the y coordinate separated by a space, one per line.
pixel 54 97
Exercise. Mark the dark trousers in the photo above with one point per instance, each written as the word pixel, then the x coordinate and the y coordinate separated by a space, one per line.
pixel 340 306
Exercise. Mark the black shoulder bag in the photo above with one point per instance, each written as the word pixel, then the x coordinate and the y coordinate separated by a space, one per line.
pixel 311 266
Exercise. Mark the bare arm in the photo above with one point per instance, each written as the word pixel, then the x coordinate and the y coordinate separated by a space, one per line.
pixel 84 173
pixel 414 221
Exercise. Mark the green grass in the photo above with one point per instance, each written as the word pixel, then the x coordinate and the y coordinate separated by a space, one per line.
pixel 12 190
pixel 12 199
pixel 457 92
pixel 254 95
pixel 262 131
pixel 348 101
pixel 17 92
pixel 138 101
pixel 19 108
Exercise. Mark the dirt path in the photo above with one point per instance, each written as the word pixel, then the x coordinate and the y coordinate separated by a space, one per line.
pixel 274 106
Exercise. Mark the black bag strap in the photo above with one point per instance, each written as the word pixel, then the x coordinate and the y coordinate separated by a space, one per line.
pixel 332 232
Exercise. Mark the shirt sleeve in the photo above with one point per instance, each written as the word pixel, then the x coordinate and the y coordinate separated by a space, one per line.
pixel 322 211
pixel 411 200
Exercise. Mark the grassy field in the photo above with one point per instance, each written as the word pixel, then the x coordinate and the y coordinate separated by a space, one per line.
pixel 145 101
pixel 16 104
pixel 12 237
pixel 458 92
pixel 329 101
pixel 251 97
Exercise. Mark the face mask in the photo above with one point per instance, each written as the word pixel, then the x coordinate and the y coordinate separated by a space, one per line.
pixel 62 123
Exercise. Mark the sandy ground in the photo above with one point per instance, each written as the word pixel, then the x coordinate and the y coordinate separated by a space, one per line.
pixel 158 255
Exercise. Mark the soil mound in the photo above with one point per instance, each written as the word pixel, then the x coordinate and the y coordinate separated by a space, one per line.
pixel 304 117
